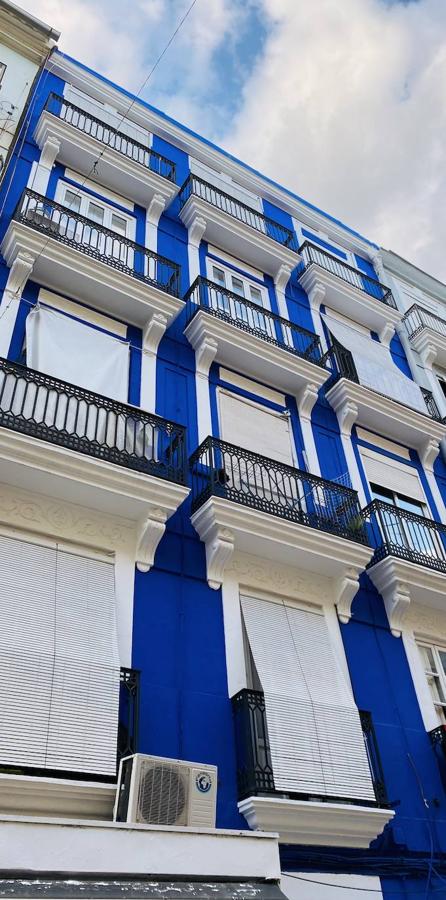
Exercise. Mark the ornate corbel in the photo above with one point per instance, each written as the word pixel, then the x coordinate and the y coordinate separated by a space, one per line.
pixel 156 208
pixel 429 453
pixel 205 353
pixel 154 331
pixel 282 277
pixel 316 296
pixel 196 230
pixel 378 265
pixel 386 333
pixel 149 533
pixel 19 273
pixel 306 400
pixel 346 589
pixel 219 550
pixel 397 602
pixel 347 414
pixel 50 151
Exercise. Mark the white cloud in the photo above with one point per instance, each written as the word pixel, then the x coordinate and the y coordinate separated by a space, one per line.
pixel 348 108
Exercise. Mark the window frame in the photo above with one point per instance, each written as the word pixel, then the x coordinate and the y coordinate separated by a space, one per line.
pixel 247 282
pixel 63 187
pixel 432 675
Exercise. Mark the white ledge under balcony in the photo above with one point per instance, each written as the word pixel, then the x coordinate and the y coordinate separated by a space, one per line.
pixel 74 255
pixel 86 144
pixel 427 334
pixel 356 403
pixel 246 502
pixel 330 281
pixel 299 818
pixel 409 562
pixel 237 333
pixel 244 232
pixel 68 443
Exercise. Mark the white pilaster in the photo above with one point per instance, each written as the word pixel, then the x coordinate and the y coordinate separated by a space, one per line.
pixel 305 402
pixel 40 174
pixel 195 233
pixel 205 354
pixel 18 275
pixel 280 281
pixel 153 333
pixel 156 208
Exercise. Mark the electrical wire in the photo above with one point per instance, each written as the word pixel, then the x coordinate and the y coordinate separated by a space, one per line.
pixel 350 887
pixel 114 131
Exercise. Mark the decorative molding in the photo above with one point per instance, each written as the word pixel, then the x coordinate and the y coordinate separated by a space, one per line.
pixel 316 296
pixel 386 333
pixel 315 823
pixel 56 518
pixel 24 795
pixel 21 269
pixel 196 230
pixel 347 414
pixel 306 399
pixel 326 287
pixel 428 453
pixel 346 589
pixel 49 152
pixel 394 589
pixel 219 549
pixel 149 533
pixel 378 265
pixel 427 622
pixel 154 331
pixel 282 277
pixel 205 353
pixel 253 572
pixel 156 208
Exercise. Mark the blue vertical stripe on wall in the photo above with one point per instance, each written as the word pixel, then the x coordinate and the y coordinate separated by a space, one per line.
pixel 331 248
pixel 134 336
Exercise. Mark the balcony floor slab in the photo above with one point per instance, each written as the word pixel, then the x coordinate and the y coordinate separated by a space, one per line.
pixel 64 268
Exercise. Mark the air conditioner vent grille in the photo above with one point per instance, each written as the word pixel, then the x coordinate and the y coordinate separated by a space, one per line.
pixel 163 794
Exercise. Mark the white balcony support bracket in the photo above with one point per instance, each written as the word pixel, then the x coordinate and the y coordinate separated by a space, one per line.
pixel 42 171
pixel 378 265
pixel 219 542
pixel 205 352
pixel 152 334
pixel 281 280
pixel 346 589
pixel 395 591
pixel 386 333
pixel 196 229
pixel 428 453
pixel 316 296
pixel 305 402
pixel 19 273
pixel 156 208
pixel 149 533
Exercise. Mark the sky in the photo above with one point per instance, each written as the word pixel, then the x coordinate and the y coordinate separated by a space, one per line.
pixel 341 101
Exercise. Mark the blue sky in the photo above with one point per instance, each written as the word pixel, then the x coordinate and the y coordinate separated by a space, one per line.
pixel 342 101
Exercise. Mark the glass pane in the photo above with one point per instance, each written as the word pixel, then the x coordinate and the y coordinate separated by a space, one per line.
pixel 119 224
pixel 73 200
pixel 442 655
pixel 411 505
pixel 218 276
pixel 256 295
pixel 380 493
pixel 96 213
pixel 428 658
pixel 237 286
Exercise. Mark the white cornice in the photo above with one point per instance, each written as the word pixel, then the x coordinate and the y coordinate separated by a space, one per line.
pixel 198 148
pixel 313 823
pixel 29 795
pixel 24 34
pixel 415 277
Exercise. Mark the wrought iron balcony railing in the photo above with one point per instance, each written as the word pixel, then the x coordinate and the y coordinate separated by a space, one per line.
pixel 62 224
pixel 417 318
pixel 110 136
pixel 251 317
pixel 223 470
pixel 128 725
pixel 313 255
pixel 255 774
pixel 398 532
pixel 343 366
pixel 194 186
pixel 52 410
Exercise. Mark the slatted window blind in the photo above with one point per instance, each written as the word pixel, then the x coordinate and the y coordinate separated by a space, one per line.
pixel 316 741
pixel 393 475
pixel 260 430
pixel 59 663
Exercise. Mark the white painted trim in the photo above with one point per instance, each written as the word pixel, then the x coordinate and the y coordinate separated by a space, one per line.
pixel 232 260
pixel 59 797
pixel 85 313
pixel 312 823
pixel 245 279
pixel 252 387
pixel 370 438
pixel 427 707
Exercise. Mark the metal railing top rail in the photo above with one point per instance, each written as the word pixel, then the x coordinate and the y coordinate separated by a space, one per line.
pixel 420 314
pixel 193 307
pixel 56 411
pixel 170 172
pixel 383 293
pixel 43 217
pixel 279 233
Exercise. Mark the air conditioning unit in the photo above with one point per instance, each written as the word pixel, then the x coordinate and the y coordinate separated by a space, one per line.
pixel 154 790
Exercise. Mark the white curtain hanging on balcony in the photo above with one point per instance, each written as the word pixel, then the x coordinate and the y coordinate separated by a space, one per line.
pixel 59 662
pixel 68 349
pixel 375 366
pixel 315 735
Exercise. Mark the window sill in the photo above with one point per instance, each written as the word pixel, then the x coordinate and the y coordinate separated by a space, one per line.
pixel 315 823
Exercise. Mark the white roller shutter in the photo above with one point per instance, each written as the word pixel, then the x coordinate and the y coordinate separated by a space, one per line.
pixel 255 428
pixel 316 741
pixel 393 475
pixel 59 667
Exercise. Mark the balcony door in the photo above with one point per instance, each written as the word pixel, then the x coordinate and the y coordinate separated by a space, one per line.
pixel 246 311
pixel 106 231
pixel 405 531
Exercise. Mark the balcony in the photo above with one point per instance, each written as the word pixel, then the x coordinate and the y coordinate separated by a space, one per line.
pixel 300 818
pixel 42 792
pixel 75 256
pixel 409 561
pixel 427 334
pixel 355 403
pixel 243 501
pixel 89 145
pixel 240 230
pixel 330 281
pixel 253 340
pixel 69 443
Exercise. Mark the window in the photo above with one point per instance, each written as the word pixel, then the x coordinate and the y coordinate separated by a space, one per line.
pixel 441 378
pixel 434 662
pixel 405 531
pixel 242 287
pixel 98 214
pixel 2 71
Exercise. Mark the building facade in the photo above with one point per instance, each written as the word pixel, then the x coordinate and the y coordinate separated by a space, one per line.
pixel 222 521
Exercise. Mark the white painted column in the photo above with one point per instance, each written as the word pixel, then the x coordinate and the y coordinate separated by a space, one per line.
pixel 205 353
pixel 18 275
pixel 281 280
pixel 232 620
pixel 196 231
pixel 305 402
pixel 40 172
pixel 153 332
pixel 347 416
